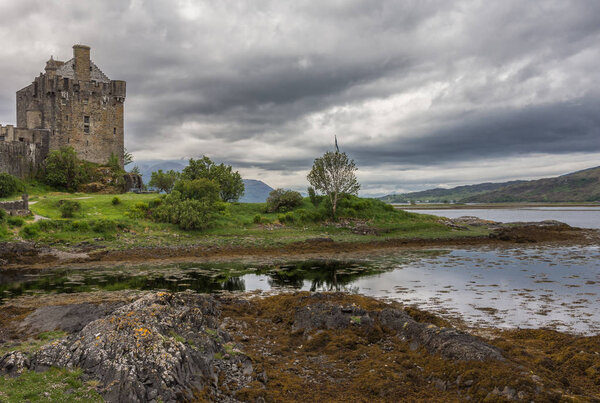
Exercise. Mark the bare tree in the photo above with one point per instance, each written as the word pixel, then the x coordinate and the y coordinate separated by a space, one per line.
pixel 333 175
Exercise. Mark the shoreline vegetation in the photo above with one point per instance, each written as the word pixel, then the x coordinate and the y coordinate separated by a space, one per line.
pixel 119 228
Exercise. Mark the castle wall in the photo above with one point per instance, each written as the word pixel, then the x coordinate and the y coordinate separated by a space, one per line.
pixel 21 159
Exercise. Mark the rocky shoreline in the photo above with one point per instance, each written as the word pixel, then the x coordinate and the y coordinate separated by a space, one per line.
pixel 34 256
pixel 157 346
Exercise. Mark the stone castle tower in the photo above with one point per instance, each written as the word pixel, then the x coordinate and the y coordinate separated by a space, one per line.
pixel 72 103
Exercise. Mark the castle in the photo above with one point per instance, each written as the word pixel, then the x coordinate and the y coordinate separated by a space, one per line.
pixel 72 104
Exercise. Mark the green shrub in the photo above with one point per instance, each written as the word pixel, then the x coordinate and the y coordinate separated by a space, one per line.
pixel 30 231
pixel 3 215
pixel 155 203
pixel 259 219
pixel 68 208
pixel 81 226
pixel 280 200
pixel 103 226
pixel 15 221
pixel 63 169
pixel 139 210
pixel 9 185
pixel 115 201
pixel 188 214
pixel 3 231
pixel 198 189
pixel 53 225
pixel 314 199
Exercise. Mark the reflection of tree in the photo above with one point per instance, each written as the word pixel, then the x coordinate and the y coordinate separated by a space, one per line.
pixel 327 276
pixel 234 284
pixel 286 279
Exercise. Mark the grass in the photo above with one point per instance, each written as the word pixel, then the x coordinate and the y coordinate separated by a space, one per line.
pixel 110 225
pixel 54 385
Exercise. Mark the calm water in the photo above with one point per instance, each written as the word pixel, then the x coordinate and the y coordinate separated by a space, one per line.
pixel 583 217
pixel 533 287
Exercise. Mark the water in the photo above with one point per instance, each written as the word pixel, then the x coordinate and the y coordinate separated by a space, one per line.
pixel 583 217
pixel 506 288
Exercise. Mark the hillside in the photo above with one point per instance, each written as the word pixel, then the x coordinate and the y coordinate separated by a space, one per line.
pixel 442 195
pixel 255 191
pixel 580 186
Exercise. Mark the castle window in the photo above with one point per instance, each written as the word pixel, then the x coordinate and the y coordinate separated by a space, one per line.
pixel 35 89
pixel 114 130
pixel 65 83
pixel 67 118
pixel 86 129
pixel 86 119
pixel 86 124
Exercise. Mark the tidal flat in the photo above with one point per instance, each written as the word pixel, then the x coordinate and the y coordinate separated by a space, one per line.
pixel 508 287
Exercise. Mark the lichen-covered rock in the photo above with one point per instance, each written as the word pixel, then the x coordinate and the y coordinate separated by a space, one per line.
pixel 447 342
pixel 162 346
pixel 13 363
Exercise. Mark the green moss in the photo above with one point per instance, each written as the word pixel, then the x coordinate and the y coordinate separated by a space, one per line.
pixel 54 385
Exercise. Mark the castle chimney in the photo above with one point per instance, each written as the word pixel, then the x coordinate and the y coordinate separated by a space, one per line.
pixel 81 54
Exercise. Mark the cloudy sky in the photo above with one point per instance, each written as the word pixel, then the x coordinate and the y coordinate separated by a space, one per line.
pixel 420 93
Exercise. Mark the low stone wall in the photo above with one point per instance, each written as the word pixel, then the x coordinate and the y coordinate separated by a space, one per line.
pixel 17 207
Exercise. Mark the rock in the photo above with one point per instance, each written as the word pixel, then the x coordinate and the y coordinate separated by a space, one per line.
pixel 509 393
pixel 13 363
pixel 69 318
pixel 329 316
pixel 449 343
pixel 161 347
pixel 133 182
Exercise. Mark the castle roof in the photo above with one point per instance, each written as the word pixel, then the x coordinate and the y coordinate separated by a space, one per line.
pixel 68 70
pixel 53 64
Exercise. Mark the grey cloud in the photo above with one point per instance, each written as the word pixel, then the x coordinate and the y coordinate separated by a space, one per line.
pixel 519 78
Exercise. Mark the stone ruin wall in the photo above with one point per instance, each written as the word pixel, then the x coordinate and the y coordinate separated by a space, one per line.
pixel 16 207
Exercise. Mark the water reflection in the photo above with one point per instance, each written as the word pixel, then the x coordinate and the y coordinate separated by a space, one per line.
pixel 519 287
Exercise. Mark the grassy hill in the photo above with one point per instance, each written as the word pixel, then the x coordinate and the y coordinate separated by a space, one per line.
pixel 580 186
pixel 440 195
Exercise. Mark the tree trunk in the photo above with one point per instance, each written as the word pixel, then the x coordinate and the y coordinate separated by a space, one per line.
pixel 334 204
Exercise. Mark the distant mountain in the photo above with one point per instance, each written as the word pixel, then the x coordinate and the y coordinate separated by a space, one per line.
pixel 439 195
pixel 255 191
pixel 580 186
pixel 148 166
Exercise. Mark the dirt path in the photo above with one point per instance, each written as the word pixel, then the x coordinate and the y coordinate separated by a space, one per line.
pixel 37 217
